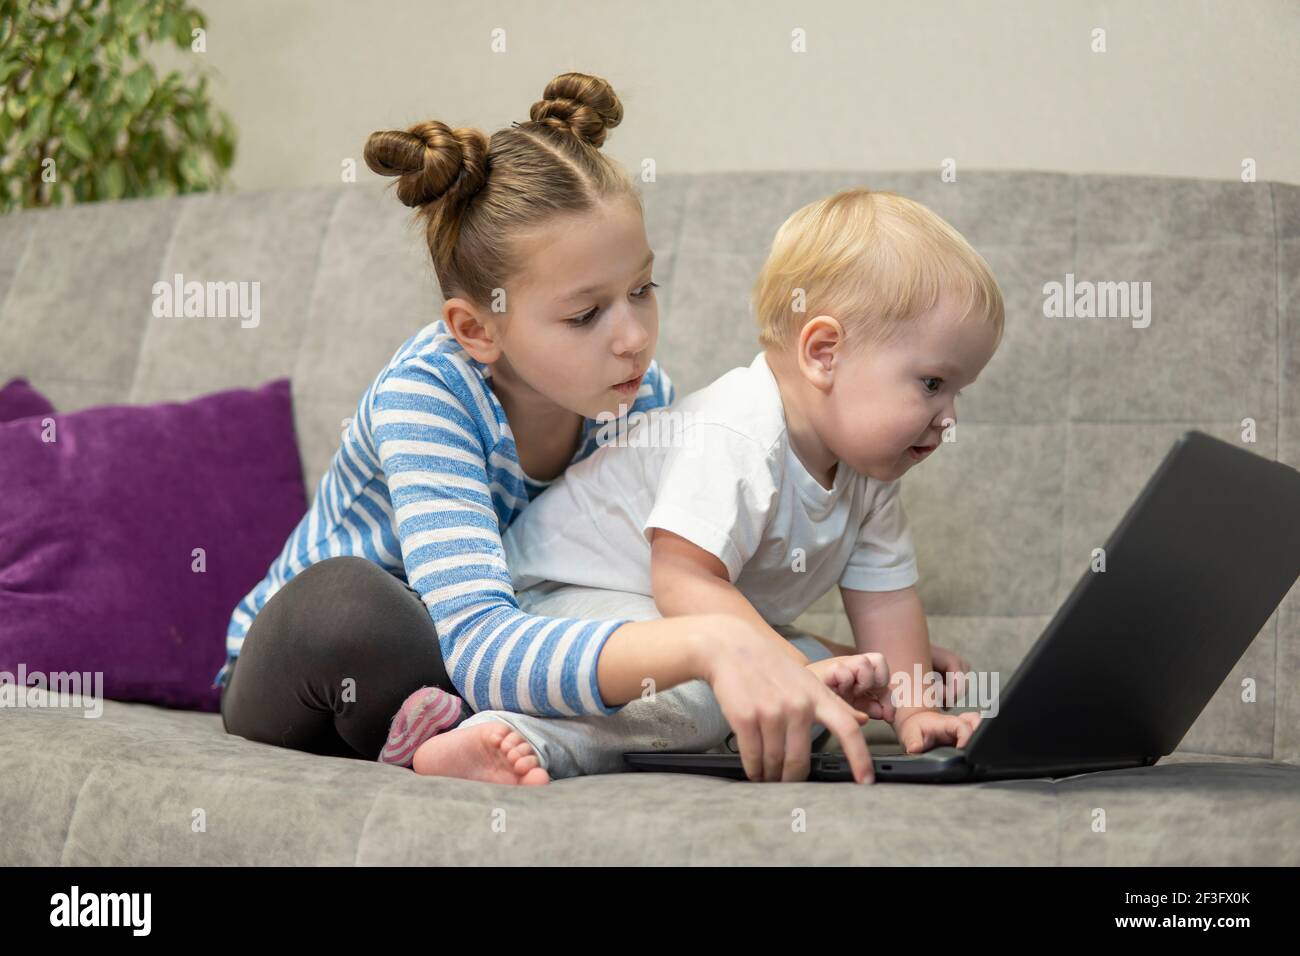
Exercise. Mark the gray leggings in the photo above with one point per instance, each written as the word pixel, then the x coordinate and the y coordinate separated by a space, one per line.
pixel 329 660
pixel 685 718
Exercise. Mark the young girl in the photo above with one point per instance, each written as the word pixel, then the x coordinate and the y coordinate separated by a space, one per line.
pixel 392 595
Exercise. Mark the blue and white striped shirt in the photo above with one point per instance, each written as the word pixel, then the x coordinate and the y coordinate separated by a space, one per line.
pixel 424 483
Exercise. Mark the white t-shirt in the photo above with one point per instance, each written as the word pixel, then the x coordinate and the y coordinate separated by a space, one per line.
pixel 731 484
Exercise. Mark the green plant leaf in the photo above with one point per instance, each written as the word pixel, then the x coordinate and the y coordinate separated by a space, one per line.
pixel 138 88
pixel 57 76
pixel 115 179
pixel 196 121
pixel 95 33
pixel 38 121
pixel 223 148
pixel 119 119
pixel 183 31
pixel 135 21
pixel 190 169
pixel 65 115
pixel 77 143
pixel 102 94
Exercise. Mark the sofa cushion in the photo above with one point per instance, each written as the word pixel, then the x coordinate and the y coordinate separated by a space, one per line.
pixel 19 400
pixel 128 535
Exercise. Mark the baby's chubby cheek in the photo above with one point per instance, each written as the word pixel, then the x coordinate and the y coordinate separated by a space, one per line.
pixel 881 440
pixel 872 457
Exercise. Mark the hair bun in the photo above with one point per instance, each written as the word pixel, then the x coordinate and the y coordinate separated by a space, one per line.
pixel 431 159
pixel 582 104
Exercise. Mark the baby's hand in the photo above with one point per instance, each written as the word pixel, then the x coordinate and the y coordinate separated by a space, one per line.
pixel 954 669
pixel 930 728
pixel 861 679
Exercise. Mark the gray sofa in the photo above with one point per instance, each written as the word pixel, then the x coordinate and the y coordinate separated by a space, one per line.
pixel 1064 427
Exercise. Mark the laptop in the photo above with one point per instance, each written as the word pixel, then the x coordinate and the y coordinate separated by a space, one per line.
pixel 1193 571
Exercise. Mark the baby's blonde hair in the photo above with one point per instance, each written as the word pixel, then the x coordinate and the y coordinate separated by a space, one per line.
pixel 874 261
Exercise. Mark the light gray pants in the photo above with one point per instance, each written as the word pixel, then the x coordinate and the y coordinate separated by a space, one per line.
pixel 685 718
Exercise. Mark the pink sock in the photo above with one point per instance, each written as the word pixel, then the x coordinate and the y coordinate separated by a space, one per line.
pixel 426 713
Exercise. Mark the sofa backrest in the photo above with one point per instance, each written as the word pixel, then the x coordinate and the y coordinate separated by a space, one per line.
pixel 1063 428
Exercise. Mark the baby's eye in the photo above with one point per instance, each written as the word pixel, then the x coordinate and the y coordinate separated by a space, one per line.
pixel 932 379
pixel 644 291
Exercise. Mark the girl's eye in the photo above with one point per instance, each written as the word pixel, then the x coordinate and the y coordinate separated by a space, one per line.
pixel 932 379
pixel 583 319
pixel 586 317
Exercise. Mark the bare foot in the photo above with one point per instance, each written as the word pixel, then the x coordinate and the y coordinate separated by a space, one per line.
pixel 490 752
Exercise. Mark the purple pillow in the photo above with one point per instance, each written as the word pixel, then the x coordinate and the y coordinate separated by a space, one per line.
pixel 99 530
pixel 19 400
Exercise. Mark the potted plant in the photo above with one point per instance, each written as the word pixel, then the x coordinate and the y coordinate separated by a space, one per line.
pixel 85 116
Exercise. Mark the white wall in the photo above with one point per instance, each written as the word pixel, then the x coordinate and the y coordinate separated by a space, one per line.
pixel 1186 87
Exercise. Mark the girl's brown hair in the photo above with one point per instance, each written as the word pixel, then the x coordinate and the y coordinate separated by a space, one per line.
pixel 478 192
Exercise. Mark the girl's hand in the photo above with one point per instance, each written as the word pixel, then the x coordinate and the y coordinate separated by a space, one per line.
pixel 772 701
pixel 862 680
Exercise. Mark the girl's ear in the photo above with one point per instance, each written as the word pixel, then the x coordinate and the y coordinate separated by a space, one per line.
pixel 477 338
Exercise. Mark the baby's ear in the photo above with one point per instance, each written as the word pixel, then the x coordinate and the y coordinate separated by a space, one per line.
pixel 820 343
